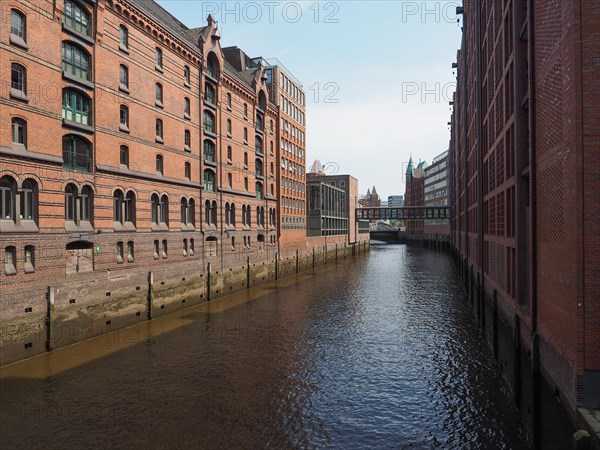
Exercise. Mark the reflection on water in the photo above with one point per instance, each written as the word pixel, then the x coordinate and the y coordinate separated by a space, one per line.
pixel 378 352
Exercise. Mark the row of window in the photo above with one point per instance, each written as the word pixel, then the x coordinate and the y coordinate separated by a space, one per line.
pixel 79 206
pixel 292 148
pixel 291 89
pixel 291 129
pixel 10 259
pixel 292 110
pixel 293 204
pixel 292 223
pixel 293 167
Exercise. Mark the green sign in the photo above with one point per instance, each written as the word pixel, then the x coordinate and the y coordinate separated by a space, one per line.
pixel 98 249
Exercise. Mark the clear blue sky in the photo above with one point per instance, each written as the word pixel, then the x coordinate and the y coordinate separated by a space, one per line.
pixel 384 66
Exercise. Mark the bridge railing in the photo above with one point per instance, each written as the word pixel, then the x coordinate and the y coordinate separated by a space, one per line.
pixel 403 213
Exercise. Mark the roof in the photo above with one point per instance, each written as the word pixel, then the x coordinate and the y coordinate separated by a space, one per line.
pixel 165 18
pixel 409 168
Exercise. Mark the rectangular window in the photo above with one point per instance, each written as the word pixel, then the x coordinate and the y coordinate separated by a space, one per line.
pixel 10 260
pixel 29 259
pixel 130 251
pixel 164 248
pixel 156 249
pixel 119 252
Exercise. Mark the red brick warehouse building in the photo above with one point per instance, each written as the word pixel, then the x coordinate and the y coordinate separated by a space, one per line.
pixel 525 198
pixel 129 141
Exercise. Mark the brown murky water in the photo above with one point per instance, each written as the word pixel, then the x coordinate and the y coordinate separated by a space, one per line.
pixel 377 352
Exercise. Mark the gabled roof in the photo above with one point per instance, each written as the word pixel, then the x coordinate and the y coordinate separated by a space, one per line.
pixel 409 168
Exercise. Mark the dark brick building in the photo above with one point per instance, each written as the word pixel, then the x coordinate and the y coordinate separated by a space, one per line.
pixel 414 194
pixel 526 194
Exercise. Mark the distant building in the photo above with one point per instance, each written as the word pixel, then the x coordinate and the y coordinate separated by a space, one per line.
pixel 436 193
pixel 415 193
pixel 332 202
pixel 395 200
pixel 371 199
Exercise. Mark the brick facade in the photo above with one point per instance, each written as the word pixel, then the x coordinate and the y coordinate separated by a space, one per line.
pixel 524 160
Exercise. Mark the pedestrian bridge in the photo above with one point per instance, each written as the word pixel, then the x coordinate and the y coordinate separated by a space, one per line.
pixel 391 234
pixel 403 213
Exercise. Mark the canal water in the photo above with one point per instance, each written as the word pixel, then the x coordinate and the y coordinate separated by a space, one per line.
pixel 381 351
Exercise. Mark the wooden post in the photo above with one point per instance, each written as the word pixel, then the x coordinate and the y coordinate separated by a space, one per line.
pixel 50 318
pixel 297 262
pixel 149 306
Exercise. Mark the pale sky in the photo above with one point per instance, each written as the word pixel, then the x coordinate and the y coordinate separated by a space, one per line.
pixel 377 74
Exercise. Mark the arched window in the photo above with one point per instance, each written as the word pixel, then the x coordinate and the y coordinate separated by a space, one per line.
pixel 262 101
pixel 186 76
pixel 209 93
pixel 209 151
pixel 187 140
pixel 213 213
pixel 159 95
pixel 164 209
pixel 77 18
pixel 259 167
pixel 259 122
pixel 19 131
pixel 29 200
pixel 229 127
pixel 262 216
pixel 207 212
pixel 159 164
pixel 258 215
pixel 243 215
pixel 191 212
pixel 245 109
pixel 130 207
pixel 124 156
pixel 245 135
pixel 258 145
pixel 209 181
pixel 232 215
pixel 123 38
pixel 77 153
pixel 229 154
pixel 246 159
pixel 227 214
pixel 158 58
pixel 159 129
pixel 118 203
pixel 18 25
pixel 86 204
pixel 124 118
pixel 76 61
pixel 18 78
pixel 259 191
pixel 188 170
pixel 183 211
pixel 186 108
pixel 246 183
pixel 8 192
pixel 212 66
pixel 155 207
pixel 228 100
pixel 248 215
pixel 209 122
pixel 76 107
pixel 70 202
pixel 123 77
